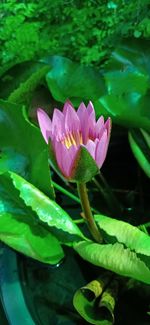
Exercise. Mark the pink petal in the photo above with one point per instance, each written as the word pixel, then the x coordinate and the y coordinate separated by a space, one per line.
pixel 72 122
pixel 91 146
pixel 108 127
pixel 92 121
pixel 99 128
pixel 65 158
pixel 90 108
pixel 101 149
pixel 84 121
pixel 66 105
pixel 58 124
pixel 44 123
pixel 81 110
pixel 73 151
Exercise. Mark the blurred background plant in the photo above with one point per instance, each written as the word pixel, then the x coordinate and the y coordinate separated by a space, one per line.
pixel 85 32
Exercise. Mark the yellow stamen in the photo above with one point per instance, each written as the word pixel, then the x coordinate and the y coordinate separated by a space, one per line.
pixel 71 139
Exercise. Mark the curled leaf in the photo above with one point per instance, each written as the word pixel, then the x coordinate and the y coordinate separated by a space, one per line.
pixel 108 301
pixel 87 301
pixel 95 288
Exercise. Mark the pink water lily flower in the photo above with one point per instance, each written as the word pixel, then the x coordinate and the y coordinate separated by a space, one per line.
pixel 71 130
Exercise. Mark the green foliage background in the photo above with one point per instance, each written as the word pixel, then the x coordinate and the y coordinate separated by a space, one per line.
pixel 85 31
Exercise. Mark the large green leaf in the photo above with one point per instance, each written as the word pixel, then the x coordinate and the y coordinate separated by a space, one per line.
pixel 20 232
pixel 22 147
pixel 47 210
pixel 121 82
pixel 127 76
pixel 135 56
pixel 124 233
pixel 115 258
pixel 67 79
pixel 20 229
pixel 130 110
pixel 140 144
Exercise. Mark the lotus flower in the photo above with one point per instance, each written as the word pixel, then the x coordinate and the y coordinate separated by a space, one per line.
pixel 79 143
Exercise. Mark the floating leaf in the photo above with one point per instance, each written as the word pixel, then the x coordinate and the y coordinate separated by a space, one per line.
pixel 121 82
pixel 66 79
pixel 135 57
pixel 127 76
pixel 130 110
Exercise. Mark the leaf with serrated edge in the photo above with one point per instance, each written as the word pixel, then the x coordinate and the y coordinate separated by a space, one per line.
pixel 20 228
pixel 47 210
pixel 125 233
pixel 115 258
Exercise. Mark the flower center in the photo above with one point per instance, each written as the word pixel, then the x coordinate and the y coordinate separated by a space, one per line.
pixel 72 139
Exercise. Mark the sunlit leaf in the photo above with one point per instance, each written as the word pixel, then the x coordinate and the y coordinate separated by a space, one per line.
pixel 47 210
pixel 115 258
pixel 20 229
pixel 130 236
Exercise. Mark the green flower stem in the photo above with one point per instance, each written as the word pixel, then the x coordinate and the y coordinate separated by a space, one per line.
pixel 82 190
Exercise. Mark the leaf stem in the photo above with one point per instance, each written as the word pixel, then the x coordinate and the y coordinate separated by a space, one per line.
pixel 82 190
